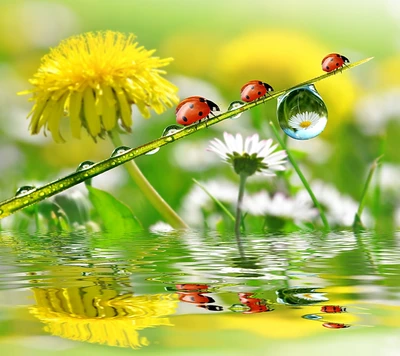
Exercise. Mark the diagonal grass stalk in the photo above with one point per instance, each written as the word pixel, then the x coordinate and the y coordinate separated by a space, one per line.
pixel 19 202
pixel 215 200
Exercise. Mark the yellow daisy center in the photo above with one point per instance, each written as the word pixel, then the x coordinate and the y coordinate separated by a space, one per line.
pixel 305 124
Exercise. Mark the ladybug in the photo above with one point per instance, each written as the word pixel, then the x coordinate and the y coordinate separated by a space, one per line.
pixel 193 109
pixel 333 309
pixel 254 89
pixel 333 61
pixel 335 325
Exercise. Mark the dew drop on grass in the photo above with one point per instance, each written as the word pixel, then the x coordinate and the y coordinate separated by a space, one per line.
pixel 120 150
pixel 301 112
pixel 169 130
pixel 24 190
pixel 84 165
pixel 236 105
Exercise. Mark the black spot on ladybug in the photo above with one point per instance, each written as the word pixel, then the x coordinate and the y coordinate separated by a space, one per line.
pixel 192 298
pixel 259 93
pixel 327 67
pixel 184 118
pixel 260 83
pixel 191 106
pixel 337 64
pixel 200 113
pixel 202 100
pixel 247 97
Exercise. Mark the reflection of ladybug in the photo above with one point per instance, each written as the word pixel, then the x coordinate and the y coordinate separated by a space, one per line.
pixel 333 61
pixel 194 108
pixel 195 298
pixel 254 89
pixel 335 325
pixel 211 307
pixel 333 309
pixel 256 305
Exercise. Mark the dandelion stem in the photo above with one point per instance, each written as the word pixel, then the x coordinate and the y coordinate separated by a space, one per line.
pixel 357 218
pixel 16 203
pixel 147 189
pixel 216 201
pixel 242 184
pixel 301 176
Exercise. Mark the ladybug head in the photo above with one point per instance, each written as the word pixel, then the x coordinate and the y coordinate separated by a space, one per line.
pixel 268 87
pixel 345 59
pixel 212 105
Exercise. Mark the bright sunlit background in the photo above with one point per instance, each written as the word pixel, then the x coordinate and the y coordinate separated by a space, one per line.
pixel 217 46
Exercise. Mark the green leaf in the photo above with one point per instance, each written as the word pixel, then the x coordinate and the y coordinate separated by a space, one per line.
pixel 115 215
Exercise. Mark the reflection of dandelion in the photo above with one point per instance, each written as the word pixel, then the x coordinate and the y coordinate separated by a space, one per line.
pixel 99 317
pixel 303 121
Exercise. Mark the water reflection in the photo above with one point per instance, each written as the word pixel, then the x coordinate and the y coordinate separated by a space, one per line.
pixel 136 291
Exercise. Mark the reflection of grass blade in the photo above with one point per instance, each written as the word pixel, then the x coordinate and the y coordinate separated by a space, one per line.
pixel 357 224
pixel 215 200
pixel 301 176
pixel 16 203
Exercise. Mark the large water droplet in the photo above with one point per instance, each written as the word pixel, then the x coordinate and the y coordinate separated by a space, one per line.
pixel 302 114
pixel 24 190
pixel 236 105
pixel 120 150
pixel 84 165
pixel 171 129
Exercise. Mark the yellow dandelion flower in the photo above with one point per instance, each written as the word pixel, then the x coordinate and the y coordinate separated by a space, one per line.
pixel 94 78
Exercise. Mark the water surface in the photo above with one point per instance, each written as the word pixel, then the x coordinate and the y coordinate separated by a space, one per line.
pixel 196 294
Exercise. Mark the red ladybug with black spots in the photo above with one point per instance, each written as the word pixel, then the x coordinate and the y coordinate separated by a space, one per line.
pixel 253 90
pixel 193 109
pixel 256 305
pixel 333 61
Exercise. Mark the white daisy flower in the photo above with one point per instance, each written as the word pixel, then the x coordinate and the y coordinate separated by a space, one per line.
pixel 304 120
pixel 298 208
pixel 249 156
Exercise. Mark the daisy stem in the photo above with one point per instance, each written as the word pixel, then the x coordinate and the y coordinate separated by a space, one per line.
pixel 148 190
pixel 242 184
pixel 216 201
pixel 301 176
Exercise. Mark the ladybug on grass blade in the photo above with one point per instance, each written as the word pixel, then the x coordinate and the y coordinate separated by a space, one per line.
pixel 193 109
pixel 253 90
pixel 333 61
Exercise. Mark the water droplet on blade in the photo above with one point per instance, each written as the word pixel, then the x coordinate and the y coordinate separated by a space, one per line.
pixel 301 112
pixel 236 105
pixel 120 150
pixel 84 165
pixel 171 129
pixel 24 190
